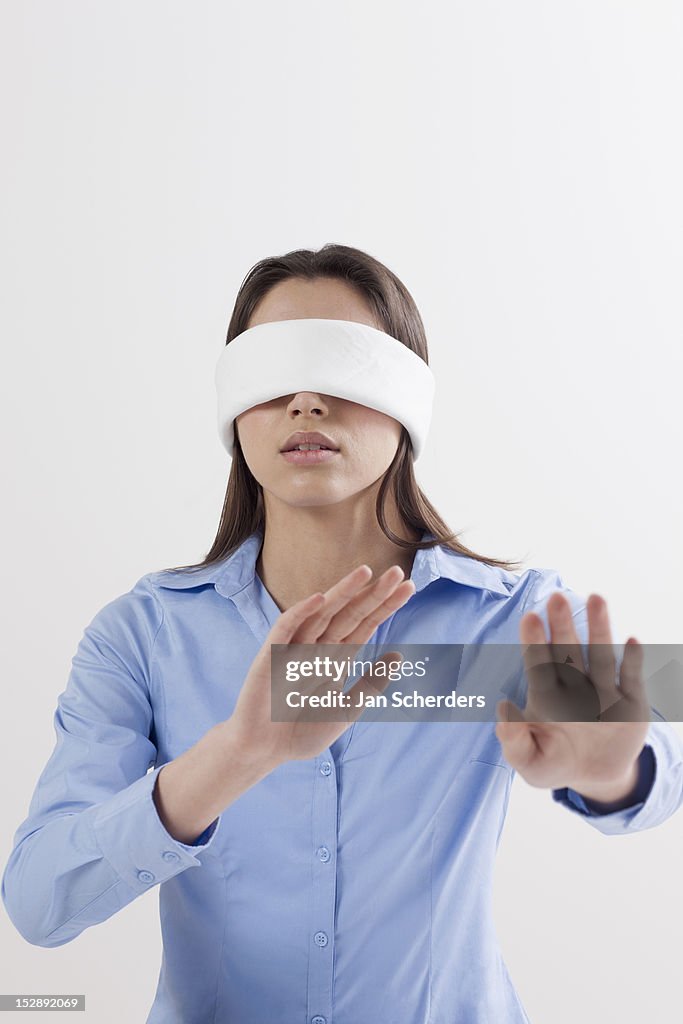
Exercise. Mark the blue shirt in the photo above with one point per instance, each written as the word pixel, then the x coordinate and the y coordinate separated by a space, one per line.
pixel 351 888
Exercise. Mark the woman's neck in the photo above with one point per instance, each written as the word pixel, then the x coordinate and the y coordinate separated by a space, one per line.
pixel 310 549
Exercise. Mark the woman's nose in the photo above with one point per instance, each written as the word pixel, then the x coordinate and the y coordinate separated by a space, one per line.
pixel 307 402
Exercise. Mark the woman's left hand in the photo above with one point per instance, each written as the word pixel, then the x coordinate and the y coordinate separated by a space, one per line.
pixel 578 729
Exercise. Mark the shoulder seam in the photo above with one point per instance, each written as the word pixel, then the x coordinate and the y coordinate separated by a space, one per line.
pixel 157 601
pixel 529 592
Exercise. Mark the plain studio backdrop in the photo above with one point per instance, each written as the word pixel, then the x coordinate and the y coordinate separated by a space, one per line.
pixel 519 167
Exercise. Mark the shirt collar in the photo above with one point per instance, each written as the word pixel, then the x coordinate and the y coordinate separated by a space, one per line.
pixel 232 574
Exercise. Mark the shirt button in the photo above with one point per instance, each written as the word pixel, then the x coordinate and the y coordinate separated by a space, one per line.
pixel 145 876
pixel 323 854
pixel 170 856
pixel 325 768
pixel 320 938
pixel 318 1019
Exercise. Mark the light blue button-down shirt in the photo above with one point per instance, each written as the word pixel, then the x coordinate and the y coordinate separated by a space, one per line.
pixel 352 888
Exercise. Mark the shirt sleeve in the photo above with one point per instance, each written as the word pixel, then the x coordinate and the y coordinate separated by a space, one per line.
pixel 93 839
pixel 659 791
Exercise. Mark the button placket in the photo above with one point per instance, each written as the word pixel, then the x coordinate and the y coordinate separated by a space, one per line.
pixel 321 957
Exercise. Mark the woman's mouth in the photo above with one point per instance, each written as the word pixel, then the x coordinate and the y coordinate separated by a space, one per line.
pixel 309 457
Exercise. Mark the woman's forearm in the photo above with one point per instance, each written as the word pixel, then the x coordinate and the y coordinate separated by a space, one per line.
pixel 196 787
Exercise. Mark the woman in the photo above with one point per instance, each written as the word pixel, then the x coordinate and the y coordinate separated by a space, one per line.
pixel 345 866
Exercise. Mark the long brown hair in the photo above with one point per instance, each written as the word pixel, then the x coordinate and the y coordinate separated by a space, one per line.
pixel 394 307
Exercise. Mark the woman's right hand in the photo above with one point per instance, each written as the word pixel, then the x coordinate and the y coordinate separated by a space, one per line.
pixel 348 613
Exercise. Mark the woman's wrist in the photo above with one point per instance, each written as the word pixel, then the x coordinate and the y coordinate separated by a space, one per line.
pixel 194 789
pixel 240 754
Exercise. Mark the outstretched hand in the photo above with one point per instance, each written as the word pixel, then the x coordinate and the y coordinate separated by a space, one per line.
pixel 578 728
pixel 348 613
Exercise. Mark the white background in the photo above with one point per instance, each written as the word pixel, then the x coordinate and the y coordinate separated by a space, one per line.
pixel 518 165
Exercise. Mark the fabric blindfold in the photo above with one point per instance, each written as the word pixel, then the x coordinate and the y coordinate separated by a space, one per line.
pixel 333 357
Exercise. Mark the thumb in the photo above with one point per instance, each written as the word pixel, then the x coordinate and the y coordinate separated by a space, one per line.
pixel 509 712
pixel 515 735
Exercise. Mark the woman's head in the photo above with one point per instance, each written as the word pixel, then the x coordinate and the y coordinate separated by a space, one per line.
pixel 334 282
pixel 366 440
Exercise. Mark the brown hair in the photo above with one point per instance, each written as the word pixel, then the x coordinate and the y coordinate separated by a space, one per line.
pixel 395 309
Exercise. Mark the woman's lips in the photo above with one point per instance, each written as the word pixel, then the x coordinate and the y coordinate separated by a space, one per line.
pixel 309 458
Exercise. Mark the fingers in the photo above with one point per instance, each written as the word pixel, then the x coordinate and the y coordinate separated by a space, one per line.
pixel 509 712
pixel 287 623
pixel 538 665
pixel 336 597
pixel 631 676
pixel 564 642
pixel 632 704
pixel 370 684
pixel 532 633
pixel 602 666
pixel 515 735
pixel 351 613
pixel 377 615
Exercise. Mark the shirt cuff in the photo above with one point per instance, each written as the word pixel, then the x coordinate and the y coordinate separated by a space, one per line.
pixel 133 839
pixel 615 821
